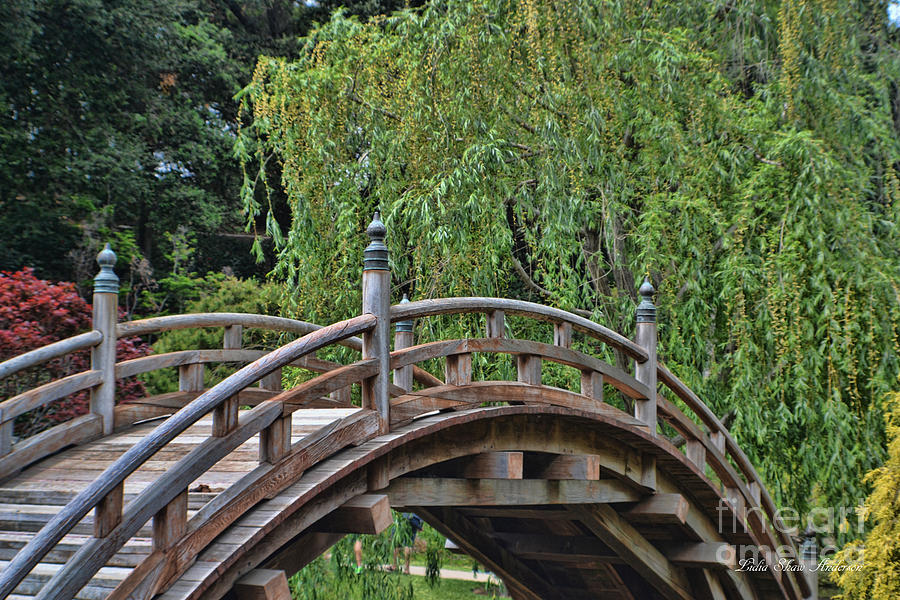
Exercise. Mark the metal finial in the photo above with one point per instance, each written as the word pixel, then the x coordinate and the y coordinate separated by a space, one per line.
pixel 376 253
pixel 407 326
pixel 106 280
pixel 646 311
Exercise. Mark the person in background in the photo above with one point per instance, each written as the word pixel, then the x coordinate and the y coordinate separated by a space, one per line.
pixel 357 552
pixel 406 529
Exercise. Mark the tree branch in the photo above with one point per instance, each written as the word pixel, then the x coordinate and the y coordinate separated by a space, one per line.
pixel 533 286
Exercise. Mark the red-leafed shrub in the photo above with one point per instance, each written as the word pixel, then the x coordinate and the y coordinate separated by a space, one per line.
pixel 34 313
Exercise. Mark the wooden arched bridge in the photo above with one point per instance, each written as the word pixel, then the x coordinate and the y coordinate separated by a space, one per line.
pixel 222 492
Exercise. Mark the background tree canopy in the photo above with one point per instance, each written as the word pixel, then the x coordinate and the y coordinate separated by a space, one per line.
pixel 743 154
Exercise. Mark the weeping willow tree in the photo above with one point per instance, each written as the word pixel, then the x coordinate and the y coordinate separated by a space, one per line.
pixel 743 154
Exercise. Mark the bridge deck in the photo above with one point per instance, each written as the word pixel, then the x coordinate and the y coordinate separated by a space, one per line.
pixel 29 499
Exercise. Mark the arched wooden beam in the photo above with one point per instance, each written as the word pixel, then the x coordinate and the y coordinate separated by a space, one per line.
pixel 430 440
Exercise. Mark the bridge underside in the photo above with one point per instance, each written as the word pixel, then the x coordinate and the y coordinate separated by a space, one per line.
pixel 560 503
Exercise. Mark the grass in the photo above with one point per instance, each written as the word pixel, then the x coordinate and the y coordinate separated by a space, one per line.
pixel 450 589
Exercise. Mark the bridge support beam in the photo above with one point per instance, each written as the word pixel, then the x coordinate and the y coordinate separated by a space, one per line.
pixel 263 584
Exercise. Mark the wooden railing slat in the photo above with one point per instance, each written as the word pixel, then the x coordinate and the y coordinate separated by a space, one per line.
pixel 49 352
pixel 427 308
pixel 48 392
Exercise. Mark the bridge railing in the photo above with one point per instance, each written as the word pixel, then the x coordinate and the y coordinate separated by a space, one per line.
pixel 385 404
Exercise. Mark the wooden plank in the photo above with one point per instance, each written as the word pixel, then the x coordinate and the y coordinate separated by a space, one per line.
pixel 190 377
pixel 556 548
pixel 76 431
pixel 659 509
pixel 170 523
pixel 49 352
pixel 412 491
pixel 108 512
pixel 458 369
pixel 495 325
pixel 705 555
pixel 6 434
pixel 324 384
pixel 493 465
pixel 696 453
pixel 49 392
pixel 272 381
pixel 275 440
pixel 592 385
pixel 302 550
pixel 263 584
pixel 425 308
pixel 639 554
pixel 225 417
pixel 564 466
pixel 528 369
pixel 367 513
pixel 232 337
pixel 624 382
pixel 521 580
pixel 562 334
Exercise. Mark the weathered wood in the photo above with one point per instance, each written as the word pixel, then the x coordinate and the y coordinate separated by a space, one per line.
pixel 717 438
pixel 498 391
pixel 403 377
pixel 225 417
pixel 143 581
pixel 76 431
pixel 556 548
pixel 367 513
pixel 232 338
pixel 376 301
pixel 528 368
pixel 624 382
pixel 426 308
pixel 153 362
pixel 645 337
pixel 458 369
pixel 562 334
pixel 659 509
pixel 412 491
pixel 6 435
pixel 266 481
pixel 263 584
pixel 520 580
pixel 592 385
pixel 325 384
pixel 275 440
pixel 39 396
pixel 108 512
pixel 564 466
pixel 170 523
pixel 272 381
pixel 190 377
pixel 495 324
pixel 103 355
pixel 706 555
pixel 49 352
pixel 696 453
pixel 304 549
pixel 246 320
pixel 493 465
pixel 643 557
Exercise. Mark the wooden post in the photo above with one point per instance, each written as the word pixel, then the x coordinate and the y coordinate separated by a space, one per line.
pixel 404 338
pixel 170 523
pixel 645 410
pixel 376 292
pixel 103 355
pixel 263 584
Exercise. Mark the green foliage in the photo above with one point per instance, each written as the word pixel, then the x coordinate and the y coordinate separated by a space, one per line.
pixel 879 558
pixel 215 293
pixel 744 155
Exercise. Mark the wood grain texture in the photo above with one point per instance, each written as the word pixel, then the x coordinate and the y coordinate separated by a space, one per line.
pixel 624 382
pixel 434 491
pixel 39 396
pixel 425 308
pixel 49 352
pixel 29 450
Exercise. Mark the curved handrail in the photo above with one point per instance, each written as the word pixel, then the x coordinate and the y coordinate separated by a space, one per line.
pixel 61 523
pixel 40 355
pixel 250 320
pixel 732 450
pixel 441 306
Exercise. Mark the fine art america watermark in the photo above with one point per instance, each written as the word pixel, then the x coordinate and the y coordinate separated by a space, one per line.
pixel 821 523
